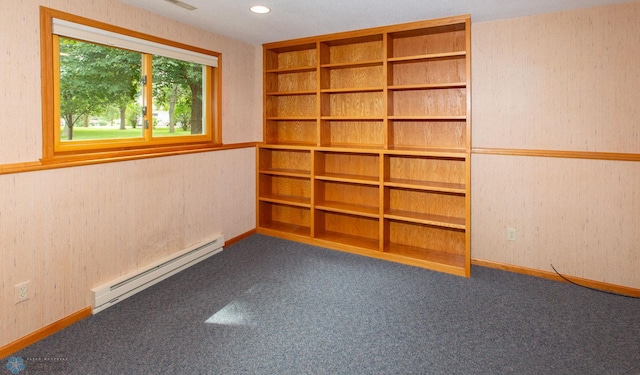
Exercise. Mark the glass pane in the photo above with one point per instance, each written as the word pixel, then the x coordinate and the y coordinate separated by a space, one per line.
pixel 178 97
pixel 100 92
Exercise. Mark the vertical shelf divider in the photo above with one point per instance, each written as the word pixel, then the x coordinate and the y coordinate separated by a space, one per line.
pixel 312 213
pixel 383 173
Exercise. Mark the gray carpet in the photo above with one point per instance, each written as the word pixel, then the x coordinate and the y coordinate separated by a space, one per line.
pixel 270 306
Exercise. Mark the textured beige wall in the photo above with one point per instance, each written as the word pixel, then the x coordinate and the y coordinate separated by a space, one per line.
pixel 565 81
pixel 582 216
pixel 69 230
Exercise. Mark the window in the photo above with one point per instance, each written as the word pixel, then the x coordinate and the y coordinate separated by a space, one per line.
pixel 109 92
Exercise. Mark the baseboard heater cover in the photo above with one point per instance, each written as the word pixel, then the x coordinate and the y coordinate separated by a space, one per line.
pixel 123 287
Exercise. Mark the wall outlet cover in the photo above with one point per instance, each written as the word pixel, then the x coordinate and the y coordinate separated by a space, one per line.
pixel 22 292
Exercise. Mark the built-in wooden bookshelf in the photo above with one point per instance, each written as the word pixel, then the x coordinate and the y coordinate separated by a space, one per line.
pixel 367 143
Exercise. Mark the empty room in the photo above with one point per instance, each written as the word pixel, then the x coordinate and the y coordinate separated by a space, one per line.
pixel 320 187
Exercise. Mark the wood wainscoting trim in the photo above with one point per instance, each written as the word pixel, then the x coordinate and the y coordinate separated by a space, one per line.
pixel 558 154
pixel 78 161
pixel 240 237
pixel 43 332
pixel 592 284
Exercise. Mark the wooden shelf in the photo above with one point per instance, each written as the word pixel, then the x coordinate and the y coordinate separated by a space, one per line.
pixel 352 118
pixel 367 143
pixel 293 161
pixel 347 65
pixel 428 117
pixel 428 104
pixel 425 41
pixel 287 199
pixel 298 107
pixel 425 254
pixel 356 147
pixel 426 171
pixel 429 86
pixel 284 147
pixel 427 219
pixel 347 196
pixel 432 56
pixel 352 50
pixel 305 144
pixel 286 172
pixel 353 166
pixel 352 104
pixel 290 118
pixel 291 58
pixel 352 77
pixel 341 177
pixel 430 207
pixel 445 249
pixel 434 134
pixel 301 69
pixel 349 240
pixel 285 217
pixel 352 133
pixel 415 150
pixel 286 93
pixel 444 152
pixel 348 229
pixel 426 185
pixel 291 81
pixel 298 230
pixel 285 188
pixel 350 90
pixel 347 208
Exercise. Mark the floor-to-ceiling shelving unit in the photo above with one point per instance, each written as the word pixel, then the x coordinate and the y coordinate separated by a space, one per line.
pixel 367 143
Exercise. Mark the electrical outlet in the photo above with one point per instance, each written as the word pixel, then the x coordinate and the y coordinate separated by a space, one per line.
pixel 22 292
pixel 511 234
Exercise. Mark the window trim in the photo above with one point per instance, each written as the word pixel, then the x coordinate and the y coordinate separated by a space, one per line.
pixel 119 148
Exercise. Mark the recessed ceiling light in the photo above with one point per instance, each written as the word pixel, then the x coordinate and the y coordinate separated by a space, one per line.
pixel 259 9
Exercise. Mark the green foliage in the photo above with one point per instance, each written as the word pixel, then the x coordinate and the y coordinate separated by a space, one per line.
pixel 134 112
pixel 94 77
pixel 185 104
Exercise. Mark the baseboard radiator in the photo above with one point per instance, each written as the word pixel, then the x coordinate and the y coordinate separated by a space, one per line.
pixel 117 290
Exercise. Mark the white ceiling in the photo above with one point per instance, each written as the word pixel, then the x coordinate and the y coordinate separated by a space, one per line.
pixel 290 19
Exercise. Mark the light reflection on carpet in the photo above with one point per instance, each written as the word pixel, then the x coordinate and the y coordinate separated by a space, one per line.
pixel 244 310
pixel 236 313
